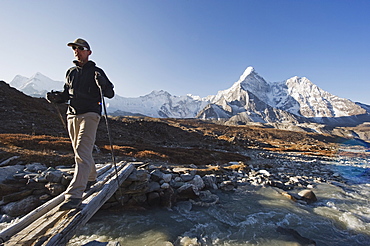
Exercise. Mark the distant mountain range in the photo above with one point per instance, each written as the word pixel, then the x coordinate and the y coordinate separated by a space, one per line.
pixel 250 99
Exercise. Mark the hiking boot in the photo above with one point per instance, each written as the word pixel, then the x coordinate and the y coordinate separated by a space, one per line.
pixel 70 203
pixel 89 185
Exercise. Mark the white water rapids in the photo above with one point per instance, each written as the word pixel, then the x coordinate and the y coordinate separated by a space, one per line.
pixel 250 216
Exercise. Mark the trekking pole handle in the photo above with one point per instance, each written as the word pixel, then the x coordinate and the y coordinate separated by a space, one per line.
pixel 97 74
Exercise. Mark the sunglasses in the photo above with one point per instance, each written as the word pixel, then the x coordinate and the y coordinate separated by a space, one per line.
pixel 79 47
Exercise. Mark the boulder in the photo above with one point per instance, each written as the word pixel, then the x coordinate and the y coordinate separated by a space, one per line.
pixel 308 196
pixel 188 191
pixel 197 182
pixel 154 199
pixel 167 198
pixel 210 182
pixel 156 175
pixel 153 186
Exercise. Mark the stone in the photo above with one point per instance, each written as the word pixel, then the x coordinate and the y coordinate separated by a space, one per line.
pixel 156 175
pixel 308 196
pixel 139 175
pixel 193 166
pixel 227 185
pixel 35 167
pixel 165 186
pixel 167 177
pixel 154 199
pixel 132 176
pixel 54 176
pixel 210 182
pixel 55 188
pixel 97 243
pixel 153 186
pixel 176 184
pixel 291 232
pixel 206 199
pixel 139 198
pixel 135 187
pixel 66 179
pixel 294 179
pixel 188 191
pixel 167 198
pixel 187 241
pixel 197 182
pixel 264 172
pixel 186 177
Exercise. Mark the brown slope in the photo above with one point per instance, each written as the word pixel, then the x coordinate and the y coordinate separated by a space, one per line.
pixel 20 113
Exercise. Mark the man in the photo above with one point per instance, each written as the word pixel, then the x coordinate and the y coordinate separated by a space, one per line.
pixel 82 89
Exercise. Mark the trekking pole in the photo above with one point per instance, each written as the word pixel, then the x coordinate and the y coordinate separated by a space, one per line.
pixel 60 116
pixel 108 131
pixel 55 93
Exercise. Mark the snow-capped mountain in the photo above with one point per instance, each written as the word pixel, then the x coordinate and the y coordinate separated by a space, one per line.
pixel 36 86
pixel 250 99
pixel 160 104
pixel 155 104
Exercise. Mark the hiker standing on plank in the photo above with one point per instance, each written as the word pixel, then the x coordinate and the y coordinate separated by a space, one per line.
pixel 83 115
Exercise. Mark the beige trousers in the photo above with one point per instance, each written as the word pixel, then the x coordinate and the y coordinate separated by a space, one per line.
pixel 82 131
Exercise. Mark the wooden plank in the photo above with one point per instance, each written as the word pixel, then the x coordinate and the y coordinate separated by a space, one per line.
pixel 45 216
pixel 67 227
pixel 27 236
pixel 42 229
pixel 36 228
pixel 38 212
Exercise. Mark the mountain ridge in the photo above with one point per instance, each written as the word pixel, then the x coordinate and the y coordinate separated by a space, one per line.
pixel 249 99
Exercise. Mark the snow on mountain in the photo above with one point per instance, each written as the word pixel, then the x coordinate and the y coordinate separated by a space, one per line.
pixel 364 106
pixel 250 99
pixel 155 104
pixel 315 102
pixel 298 96
pixel 18 81
pixel 37 86
pixel 246 108
pixel 158 104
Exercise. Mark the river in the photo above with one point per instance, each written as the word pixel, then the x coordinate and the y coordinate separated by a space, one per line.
pixel 250 215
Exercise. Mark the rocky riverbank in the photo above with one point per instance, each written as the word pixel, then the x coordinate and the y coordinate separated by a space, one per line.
pixel 159 184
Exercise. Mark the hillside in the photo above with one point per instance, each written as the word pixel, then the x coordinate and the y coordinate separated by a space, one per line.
pixel 31 128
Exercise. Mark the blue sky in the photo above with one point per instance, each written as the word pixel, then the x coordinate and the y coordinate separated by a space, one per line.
pixel 193 46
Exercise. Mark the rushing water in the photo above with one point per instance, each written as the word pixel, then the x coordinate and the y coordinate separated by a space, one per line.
pixel 250 216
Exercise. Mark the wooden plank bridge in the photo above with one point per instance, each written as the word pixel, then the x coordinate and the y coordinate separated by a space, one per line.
pixel 47 226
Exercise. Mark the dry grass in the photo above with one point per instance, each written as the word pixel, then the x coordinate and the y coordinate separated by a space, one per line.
pixel 175 141
pixel 50 150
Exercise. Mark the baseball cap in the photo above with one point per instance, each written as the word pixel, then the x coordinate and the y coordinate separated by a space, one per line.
pixel 80 42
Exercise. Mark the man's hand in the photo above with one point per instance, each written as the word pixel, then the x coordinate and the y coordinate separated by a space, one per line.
pixel 54 97
pixel 100 80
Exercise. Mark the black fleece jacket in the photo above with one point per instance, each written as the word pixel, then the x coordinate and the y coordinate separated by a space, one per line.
pixel 81 90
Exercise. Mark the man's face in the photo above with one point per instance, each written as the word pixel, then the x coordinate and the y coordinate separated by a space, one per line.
pixel 81 55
